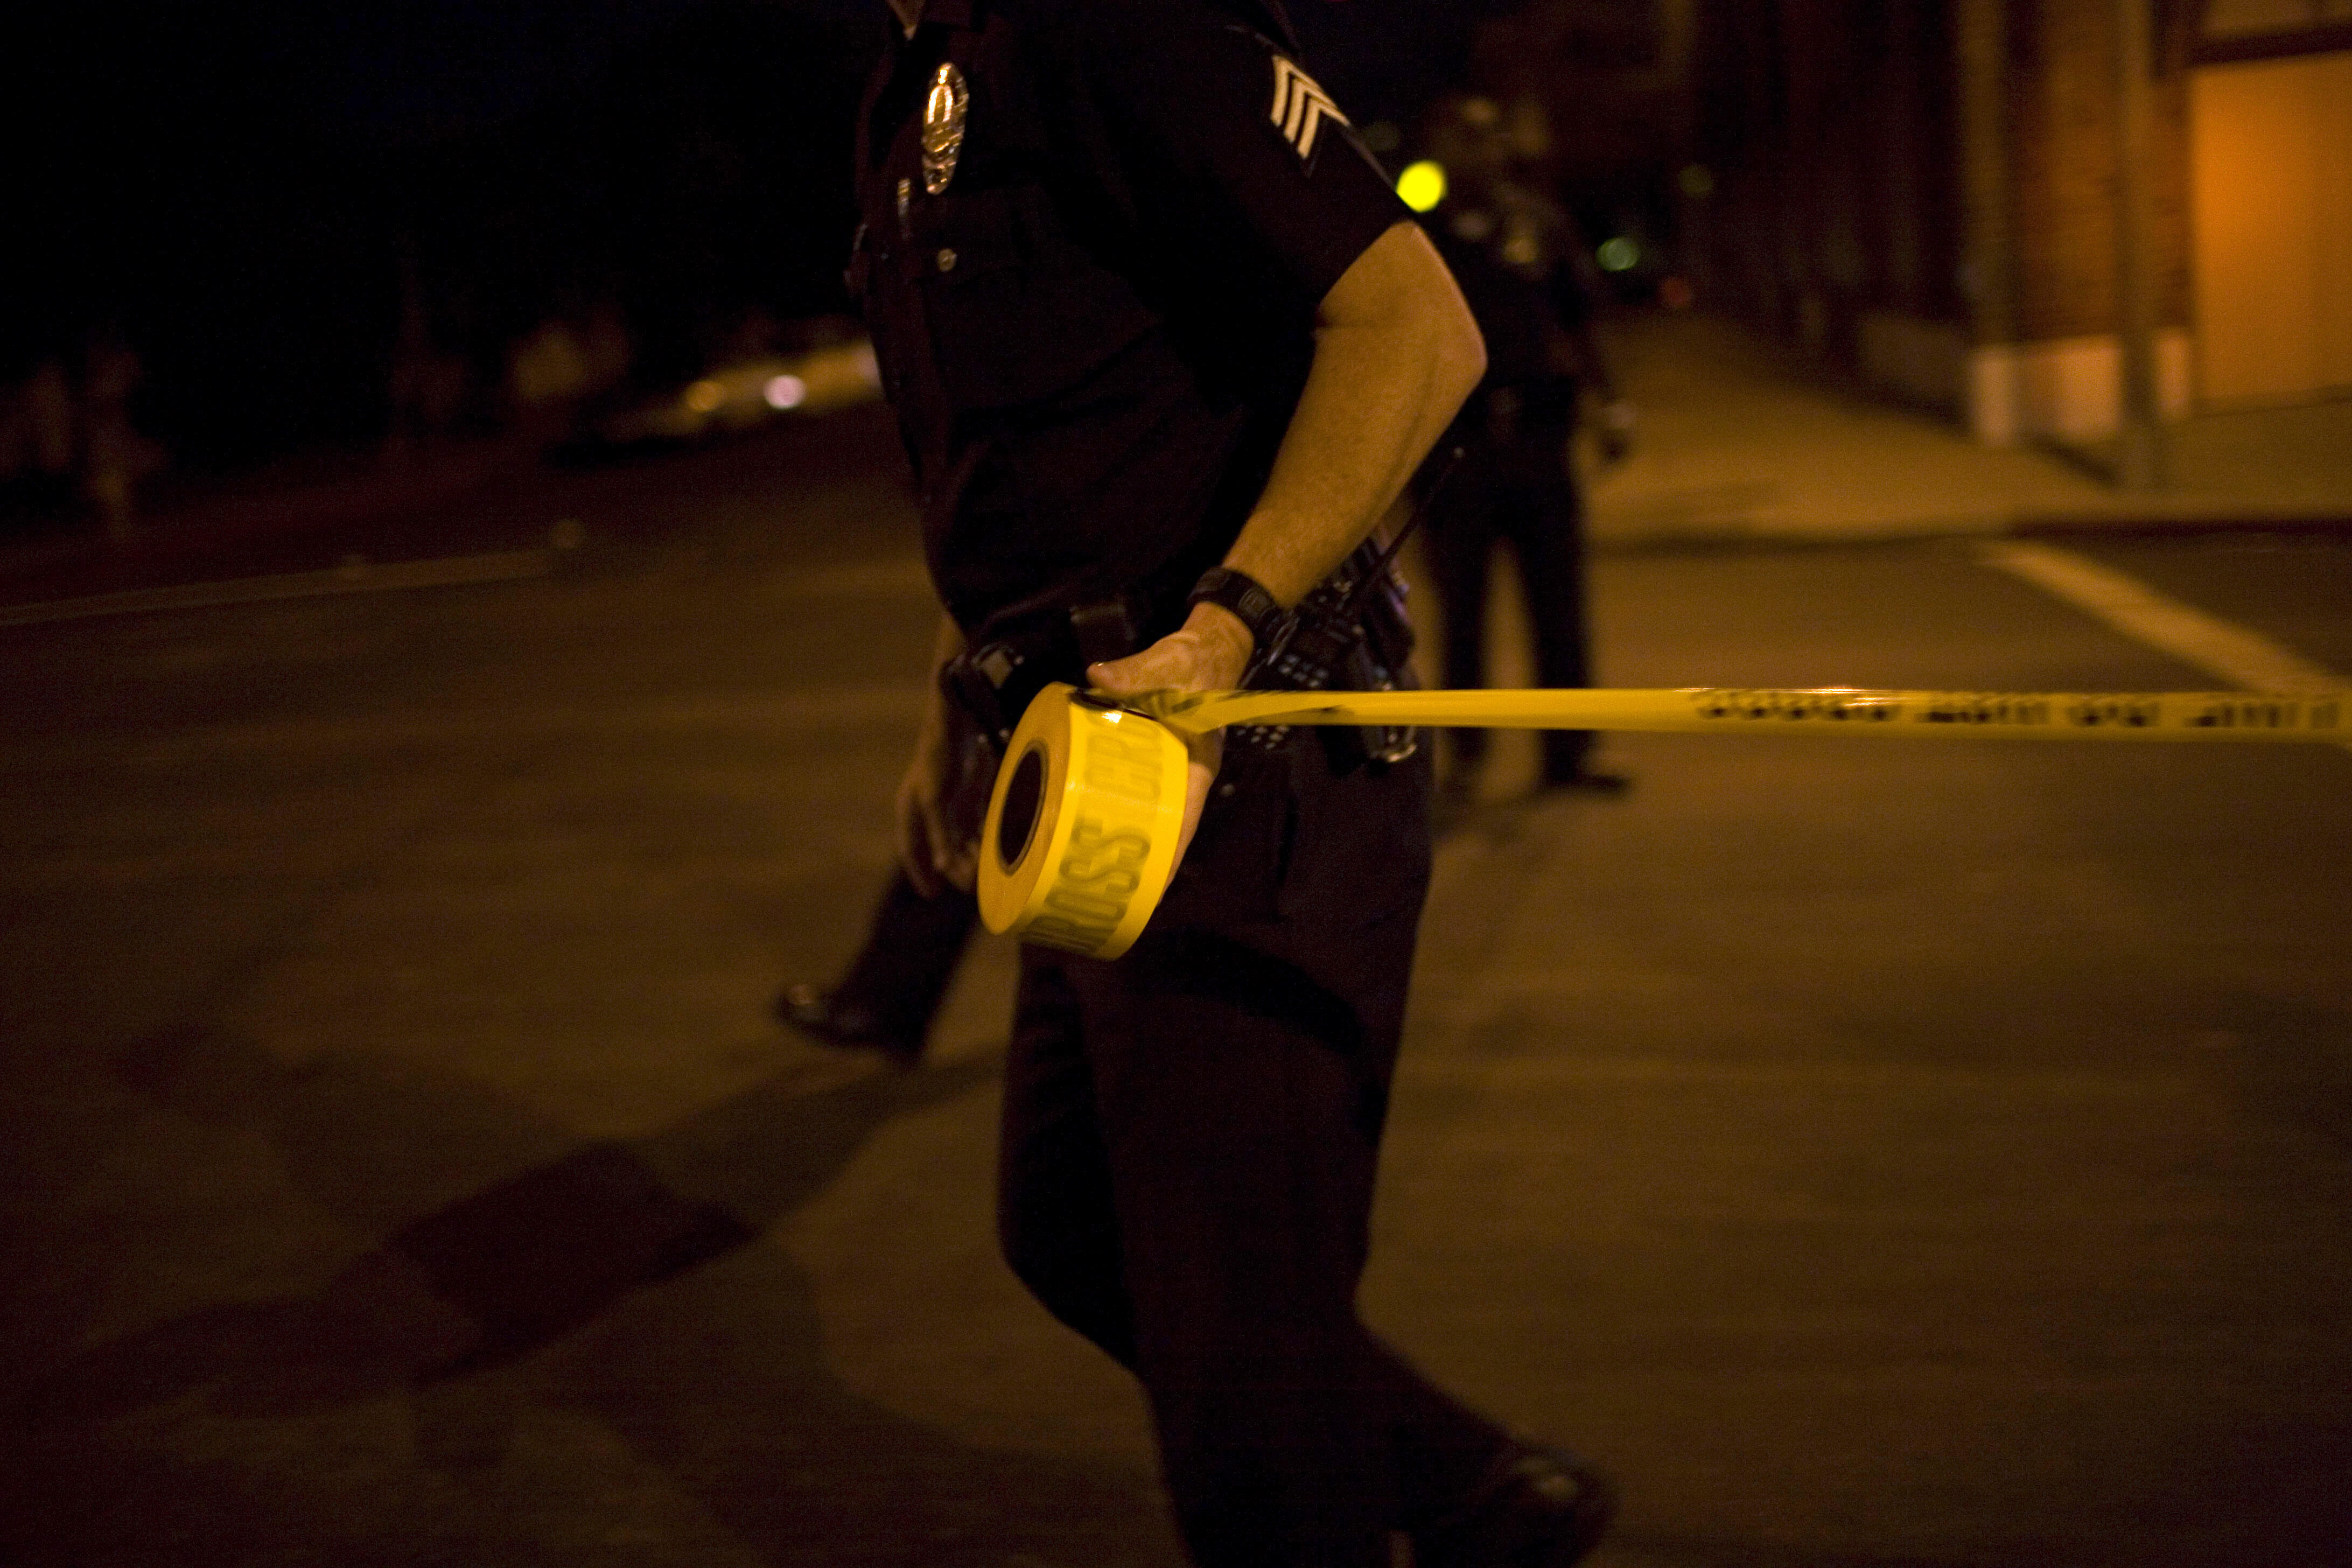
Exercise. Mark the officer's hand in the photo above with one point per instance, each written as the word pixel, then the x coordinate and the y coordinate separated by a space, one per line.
pixel 935 856
pixel 1209 654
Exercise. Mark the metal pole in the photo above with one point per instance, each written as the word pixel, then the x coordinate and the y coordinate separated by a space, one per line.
pixel 2139 438
pixel 1985 153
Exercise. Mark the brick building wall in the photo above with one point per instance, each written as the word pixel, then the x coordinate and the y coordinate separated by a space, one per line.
pixel 1827 127
pixel 2062 140
pixel 1953 241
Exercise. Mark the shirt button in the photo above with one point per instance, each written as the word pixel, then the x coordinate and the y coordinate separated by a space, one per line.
pixel 946 259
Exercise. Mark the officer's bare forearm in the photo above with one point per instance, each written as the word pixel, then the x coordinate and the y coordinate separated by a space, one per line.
pixel 1396 351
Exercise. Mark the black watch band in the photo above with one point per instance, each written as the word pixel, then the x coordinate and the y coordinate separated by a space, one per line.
pixel 1246 598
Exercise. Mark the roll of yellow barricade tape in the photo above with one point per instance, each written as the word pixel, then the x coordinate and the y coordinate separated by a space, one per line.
pixel 1080 839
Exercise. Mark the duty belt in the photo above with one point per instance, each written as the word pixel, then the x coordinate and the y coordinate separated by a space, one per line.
pixel 1349 635
pixel 993 683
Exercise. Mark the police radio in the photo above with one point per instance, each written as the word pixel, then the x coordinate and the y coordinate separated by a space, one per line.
pixel 1351 634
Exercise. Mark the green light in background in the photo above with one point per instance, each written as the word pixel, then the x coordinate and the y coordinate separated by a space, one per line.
pixel 1423 185
pixel 1619 254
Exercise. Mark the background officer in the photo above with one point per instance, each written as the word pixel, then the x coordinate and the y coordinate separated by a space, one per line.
pixel 1523 270
pixel 1164 346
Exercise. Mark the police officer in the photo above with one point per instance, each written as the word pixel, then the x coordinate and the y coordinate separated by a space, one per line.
pixel 1163 347
pixel 1522 269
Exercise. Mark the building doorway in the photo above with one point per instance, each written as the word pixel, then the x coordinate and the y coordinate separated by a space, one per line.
pixel 2271 188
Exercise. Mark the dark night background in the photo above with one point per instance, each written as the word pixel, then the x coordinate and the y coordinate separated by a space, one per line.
pixel 416 798
pixel 249 195
pixel 237 190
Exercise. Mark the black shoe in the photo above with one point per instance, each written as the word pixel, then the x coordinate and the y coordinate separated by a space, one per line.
pixel 1536 1508
pixel 830 1019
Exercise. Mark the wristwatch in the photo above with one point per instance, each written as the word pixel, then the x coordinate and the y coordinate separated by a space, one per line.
pixel 1246 598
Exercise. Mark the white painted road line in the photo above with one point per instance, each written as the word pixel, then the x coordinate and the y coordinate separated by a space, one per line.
pixel 356 578
pixel 2234 654
pixel 2201 641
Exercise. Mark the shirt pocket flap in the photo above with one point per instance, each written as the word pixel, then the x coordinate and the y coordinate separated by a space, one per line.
pixel 969 236
pixel 1018 313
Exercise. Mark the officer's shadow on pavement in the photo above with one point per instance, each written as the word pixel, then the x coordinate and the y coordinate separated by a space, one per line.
pixel 615 1277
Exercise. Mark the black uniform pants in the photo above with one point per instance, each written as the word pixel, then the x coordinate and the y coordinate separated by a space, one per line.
pixel 1513 485
pixel 1190 1139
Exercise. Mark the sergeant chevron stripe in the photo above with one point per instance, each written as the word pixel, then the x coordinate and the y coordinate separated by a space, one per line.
pixel 1300 107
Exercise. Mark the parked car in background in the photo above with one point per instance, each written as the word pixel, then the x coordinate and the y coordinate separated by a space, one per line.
pixel 835 371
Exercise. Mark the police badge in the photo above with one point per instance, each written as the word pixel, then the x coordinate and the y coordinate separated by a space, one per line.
pixel 944 112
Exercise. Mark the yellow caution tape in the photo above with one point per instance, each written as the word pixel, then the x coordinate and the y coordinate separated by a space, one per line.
pixel 1093 795
pixel 2050 715
pixel 1080 839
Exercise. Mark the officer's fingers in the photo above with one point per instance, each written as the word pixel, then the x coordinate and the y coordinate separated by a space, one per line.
pixel 915 858
pixel 1140 672
pixel 1174 661
pixel 959 866
pixel 954 863
pixel 916 835
pixel 951 860
pixel 1203 754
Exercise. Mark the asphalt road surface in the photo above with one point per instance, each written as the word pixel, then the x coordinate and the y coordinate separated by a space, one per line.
pixel 1877 1154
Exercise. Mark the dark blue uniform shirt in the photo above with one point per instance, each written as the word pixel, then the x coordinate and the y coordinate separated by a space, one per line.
pixel 1093 296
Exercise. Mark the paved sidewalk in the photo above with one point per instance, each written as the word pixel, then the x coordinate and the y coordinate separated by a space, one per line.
pixel 1740 439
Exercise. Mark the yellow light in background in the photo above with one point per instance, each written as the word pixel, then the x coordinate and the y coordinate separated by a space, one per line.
pixel 1423 185
pixel 704 397
pixel 1620 255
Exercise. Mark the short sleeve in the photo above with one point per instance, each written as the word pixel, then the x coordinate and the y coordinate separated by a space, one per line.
pixel 1232 143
